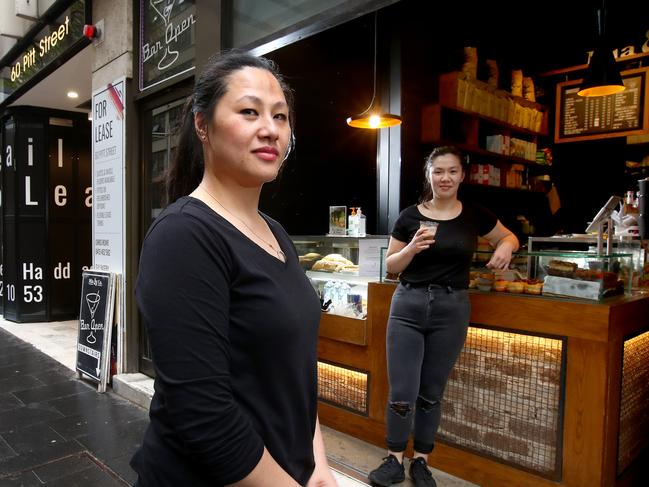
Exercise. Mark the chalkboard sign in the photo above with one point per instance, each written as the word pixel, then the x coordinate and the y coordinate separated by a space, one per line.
pixel 95 325
pixel 585 118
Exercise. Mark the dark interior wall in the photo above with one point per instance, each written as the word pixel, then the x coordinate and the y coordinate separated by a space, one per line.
pixel 331 74
pixel 427 56
pixel 333 164
pixel 544 36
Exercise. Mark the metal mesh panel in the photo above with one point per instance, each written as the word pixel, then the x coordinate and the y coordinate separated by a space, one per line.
pixel 343 387
pixel 504 399
pixel 634 415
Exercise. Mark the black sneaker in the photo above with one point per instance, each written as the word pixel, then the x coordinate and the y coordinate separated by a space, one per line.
pixel 420 474
pixel 389 472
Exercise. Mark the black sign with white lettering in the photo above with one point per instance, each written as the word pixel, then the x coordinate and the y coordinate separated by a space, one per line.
pixel 32 285
pixel 95 324
pixel 64 291
pixel 31 167
pixel 583 118
pixel 9 167
pixel 84 180
pixel 62 171
pixel 167 40
pixel 46 238
pixel 9 270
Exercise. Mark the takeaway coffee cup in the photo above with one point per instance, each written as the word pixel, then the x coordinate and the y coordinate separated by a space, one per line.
pixel 431 227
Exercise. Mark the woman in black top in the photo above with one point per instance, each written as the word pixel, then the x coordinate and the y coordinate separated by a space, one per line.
pixel 430 308
pixel 231 318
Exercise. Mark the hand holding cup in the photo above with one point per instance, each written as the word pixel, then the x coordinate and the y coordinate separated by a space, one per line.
pixel 430 227
pixel 425 236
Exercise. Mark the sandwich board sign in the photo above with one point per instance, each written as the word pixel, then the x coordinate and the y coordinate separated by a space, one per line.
pixel 95 326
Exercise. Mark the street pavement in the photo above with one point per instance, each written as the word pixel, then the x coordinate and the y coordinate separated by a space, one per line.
pixel 56 430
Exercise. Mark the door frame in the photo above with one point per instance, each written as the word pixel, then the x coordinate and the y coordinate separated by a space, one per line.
pixel 146 106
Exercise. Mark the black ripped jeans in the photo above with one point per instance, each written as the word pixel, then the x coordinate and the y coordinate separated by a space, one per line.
pixel 426 331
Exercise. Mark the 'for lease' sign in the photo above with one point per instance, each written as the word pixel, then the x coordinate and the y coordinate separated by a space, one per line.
pixel 108 162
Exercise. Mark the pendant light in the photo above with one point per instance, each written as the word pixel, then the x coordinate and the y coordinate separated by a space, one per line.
pixel 372 118
pixel 602 75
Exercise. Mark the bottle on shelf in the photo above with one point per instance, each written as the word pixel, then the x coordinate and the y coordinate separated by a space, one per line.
pixel 362 223
pixel 328 292
pixel 630 204
pixel 352 225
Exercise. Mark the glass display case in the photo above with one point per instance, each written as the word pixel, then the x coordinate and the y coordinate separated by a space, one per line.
pixel 340 268
pixel 567 273
pixel 588 243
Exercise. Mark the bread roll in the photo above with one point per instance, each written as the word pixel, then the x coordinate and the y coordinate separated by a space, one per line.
pixel 515 287
pixel 492 77
pixel 561 268
pixel 517 82
pixel 528 89
pixel 331 263
pixel 470 66
pixel 337 258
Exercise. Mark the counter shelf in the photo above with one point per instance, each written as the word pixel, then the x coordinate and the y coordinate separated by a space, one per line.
pixel 345 284
pixel 588 243
pixel 572 274
pixel 546 391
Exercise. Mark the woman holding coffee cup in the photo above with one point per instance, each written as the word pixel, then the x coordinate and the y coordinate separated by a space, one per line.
pixel 431 247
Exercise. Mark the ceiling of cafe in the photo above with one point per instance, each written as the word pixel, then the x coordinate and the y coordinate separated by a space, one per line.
pixel 545 36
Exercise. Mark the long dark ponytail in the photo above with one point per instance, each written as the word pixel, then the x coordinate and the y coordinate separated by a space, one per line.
pixel 186 169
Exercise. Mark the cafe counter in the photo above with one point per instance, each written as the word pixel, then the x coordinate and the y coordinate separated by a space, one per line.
pixel 547 391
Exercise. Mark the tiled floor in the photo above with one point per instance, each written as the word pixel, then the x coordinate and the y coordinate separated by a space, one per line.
pixel 57 430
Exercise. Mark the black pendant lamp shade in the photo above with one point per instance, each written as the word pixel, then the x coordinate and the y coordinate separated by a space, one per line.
pixel 602 76
pixel 372 118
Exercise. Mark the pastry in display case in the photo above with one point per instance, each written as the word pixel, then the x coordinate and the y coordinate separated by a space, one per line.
pixel 339 268
pixel 571 274
pixel 584 275
pixel 588 243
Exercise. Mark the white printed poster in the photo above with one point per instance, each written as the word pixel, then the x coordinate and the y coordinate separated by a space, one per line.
pixel 108 169
pixel 369 256
pixel 108 162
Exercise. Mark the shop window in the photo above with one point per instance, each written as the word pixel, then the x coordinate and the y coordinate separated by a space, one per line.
pixel 253 20
pixel 159 146
pixel 164 122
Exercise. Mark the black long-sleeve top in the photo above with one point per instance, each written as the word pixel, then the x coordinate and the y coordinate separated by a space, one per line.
pixel 233 333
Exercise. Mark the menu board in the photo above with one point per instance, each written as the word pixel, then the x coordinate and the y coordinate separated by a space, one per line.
pixel 583 118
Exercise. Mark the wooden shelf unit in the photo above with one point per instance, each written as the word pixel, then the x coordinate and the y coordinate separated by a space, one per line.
pixel 467 184
pixel 453 94
pixel 465 117
pixel 441 123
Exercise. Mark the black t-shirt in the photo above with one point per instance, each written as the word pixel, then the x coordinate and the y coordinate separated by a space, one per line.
pixel 233 334
pixel 448 260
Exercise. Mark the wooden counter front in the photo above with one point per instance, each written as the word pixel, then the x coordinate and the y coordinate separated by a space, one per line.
pixel 593 338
